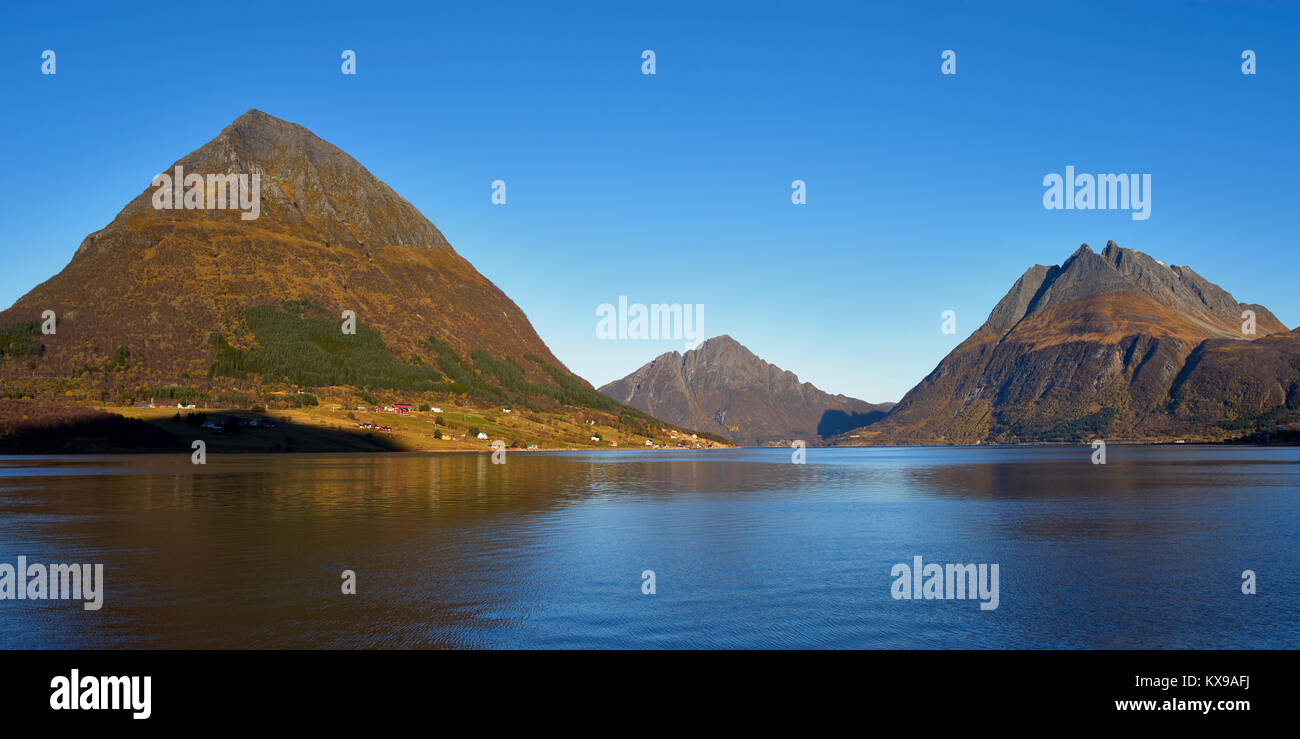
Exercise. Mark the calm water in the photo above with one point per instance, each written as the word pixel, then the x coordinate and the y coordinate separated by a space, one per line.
pixel 748 550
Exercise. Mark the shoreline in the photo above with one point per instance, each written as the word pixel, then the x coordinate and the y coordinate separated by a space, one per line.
pixel 123 451
pixel 30 428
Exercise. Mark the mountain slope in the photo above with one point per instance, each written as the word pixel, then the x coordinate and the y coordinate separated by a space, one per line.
pixel 1113 343
pixel 205 305
pixel 722 387
pixel 159 281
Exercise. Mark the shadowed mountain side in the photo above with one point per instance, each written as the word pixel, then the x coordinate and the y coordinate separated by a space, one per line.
pixel 836 421
pixel 42 427
pixel 35 426
pixel 723 388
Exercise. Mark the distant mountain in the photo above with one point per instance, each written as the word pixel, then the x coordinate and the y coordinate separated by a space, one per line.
pixel 722 387
pixel 211 304
pixel 1116 345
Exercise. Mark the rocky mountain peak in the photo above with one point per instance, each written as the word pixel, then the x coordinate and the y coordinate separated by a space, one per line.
pixel 1118 271
pixel 723 387
pixel 308 186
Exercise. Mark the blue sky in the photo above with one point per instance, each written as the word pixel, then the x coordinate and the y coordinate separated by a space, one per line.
pixel 924 190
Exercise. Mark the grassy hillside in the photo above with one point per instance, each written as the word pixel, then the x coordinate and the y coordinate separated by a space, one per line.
pixel 327 391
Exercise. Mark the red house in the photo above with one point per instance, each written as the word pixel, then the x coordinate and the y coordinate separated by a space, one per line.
pixel 402 409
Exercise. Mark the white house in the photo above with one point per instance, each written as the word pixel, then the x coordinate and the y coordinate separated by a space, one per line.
pixel 435 409
pixel 482 435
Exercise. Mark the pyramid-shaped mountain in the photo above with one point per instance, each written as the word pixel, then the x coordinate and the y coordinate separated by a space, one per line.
pixel 1115 344
pixel 227 305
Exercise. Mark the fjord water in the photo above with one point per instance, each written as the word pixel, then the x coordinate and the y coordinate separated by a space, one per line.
pixel 748 550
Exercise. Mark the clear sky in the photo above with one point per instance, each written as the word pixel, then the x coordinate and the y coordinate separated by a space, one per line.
pixel 924 191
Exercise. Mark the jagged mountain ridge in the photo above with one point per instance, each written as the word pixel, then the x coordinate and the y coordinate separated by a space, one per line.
pixel 1111 343
pixel 722 387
